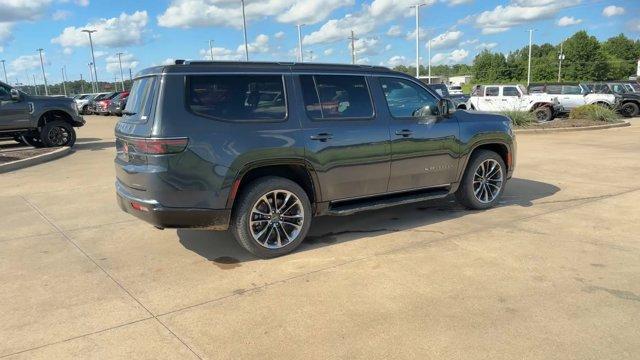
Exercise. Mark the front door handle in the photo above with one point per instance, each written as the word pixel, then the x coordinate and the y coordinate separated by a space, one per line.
pixel 404 133
pixel 322 137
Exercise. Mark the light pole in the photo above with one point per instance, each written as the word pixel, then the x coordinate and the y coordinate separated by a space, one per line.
pixel 46 86
pixel 81 84
pixel 93 84
pixel 353 47
pixel 211 48
pixel 93 58
pixel 5 71
pixel 35 85
pixel 121 73
pixel 64 86
pixel 244 28
pixel 529 66
pixel 429 61
pixel 560 58
pixel 417 7
pixel 299 26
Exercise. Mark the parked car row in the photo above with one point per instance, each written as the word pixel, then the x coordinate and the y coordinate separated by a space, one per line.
pixel 547 100
pixel 109 103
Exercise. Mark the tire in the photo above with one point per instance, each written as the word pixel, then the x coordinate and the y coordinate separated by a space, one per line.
pixel 466 193
pixel 253 198
pixel 85 110
pixel 19 140
pixel 58 133
pixel 629 109
pixel 32 141
pixel 543 114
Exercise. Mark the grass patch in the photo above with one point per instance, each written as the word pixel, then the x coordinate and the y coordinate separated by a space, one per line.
pixel 520 118
pixel 594 113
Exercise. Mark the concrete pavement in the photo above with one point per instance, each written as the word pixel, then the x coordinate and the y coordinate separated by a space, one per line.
pixel 554 273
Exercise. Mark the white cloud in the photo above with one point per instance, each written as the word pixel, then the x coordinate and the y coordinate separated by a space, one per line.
pixel 221 54
pixel 613 10
pixel 503 18
pixel 394 31
pixel 13 10
pixel 388 47
pixel 279 35
pixel 311 11
pixel 446 40
pixel 168 61
pixel 259 45
pixel 5 32
pixel 412 34
pixel 328 52
pixel 27 62
pixel 487 46
pixel 83 3
pixel 454 57
pixel 366 46
pixel 568 21
pixel 206 13
pixel 469 42
pixel 363 22
pixel 60 15
pixel 114 32
pixel 67 51
pixel 1 49
pixel 128 62
pixel 396 61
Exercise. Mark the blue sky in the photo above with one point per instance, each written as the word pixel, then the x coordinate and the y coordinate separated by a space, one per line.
pixel 155 32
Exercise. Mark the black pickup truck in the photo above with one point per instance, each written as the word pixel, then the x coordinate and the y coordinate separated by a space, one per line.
pixel 40 121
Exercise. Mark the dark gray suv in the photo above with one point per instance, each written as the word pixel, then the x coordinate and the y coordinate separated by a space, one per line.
pixel 41 121
pixel 260 148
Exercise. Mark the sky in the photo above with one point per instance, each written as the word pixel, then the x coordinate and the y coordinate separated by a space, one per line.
pixel 155 32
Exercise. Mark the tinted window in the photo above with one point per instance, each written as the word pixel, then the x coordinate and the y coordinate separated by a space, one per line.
pixel 554 89
pixel 141 97
pixel 336 96
pixel 237 97
pixel 406 99
pixel 510 91
pixel 5 93
pixel 635 87
pixel 492 91
pixel 536 89
pixel 571 90
pixel 618 88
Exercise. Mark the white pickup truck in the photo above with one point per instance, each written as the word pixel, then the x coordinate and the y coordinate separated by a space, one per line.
pixel 499 98
pixel 571 96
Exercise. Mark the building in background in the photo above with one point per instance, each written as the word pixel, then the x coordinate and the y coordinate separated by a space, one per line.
pixel 460 80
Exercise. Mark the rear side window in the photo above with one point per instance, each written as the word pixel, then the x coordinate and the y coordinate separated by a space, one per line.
pixel 141 99
pixel 237 97
pixel 510 91
pixel 571 90
pixel 536 89
pixel 554 89
pixel 491 91
pixel 336 96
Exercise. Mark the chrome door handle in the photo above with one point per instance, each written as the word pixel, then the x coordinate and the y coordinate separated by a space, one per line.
pixel 404 133
pixel 322 137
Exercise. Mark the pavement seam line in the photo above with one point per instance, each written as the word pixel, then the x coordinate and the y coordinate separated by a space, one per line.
pixel 68 238
pixel 430 241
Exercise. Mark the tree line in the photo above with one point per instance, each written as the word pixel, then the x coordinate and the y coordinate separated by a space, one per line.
pixel 585 59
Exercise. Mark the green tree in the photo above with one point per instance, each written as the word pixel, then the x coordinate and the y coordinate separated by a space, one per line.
pixel 584 59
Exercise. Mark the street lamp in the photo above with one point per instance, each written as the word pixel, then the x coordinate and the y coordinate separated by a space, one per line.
pixel 46 87
pixel 211 48
pixel 299 26
pixel 529 66
pixel 93 58
pixel 5 71
pixel 93 84
pixel 417 7
pixel 244 28
pixel 121 73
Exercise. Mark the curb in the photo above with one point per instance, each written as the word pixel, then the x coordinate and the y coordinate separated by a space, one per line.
pixel 569 129
pixel 39 159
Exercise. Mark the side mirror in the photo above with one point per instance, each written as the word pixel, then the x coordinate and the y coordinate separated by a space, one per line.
pixel 15 95
pixel 444 107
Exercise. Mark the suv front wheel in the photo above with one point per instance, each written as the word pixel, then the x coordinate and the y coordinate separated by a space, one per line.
pixel 483 182
pixel 272 217
pixel 58 133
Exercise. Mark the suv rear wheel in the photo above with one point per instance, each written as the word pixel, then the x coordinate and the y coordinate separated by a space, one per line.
pixel 483 182
pixel 58 133
pixel 272 217
pixel 630 109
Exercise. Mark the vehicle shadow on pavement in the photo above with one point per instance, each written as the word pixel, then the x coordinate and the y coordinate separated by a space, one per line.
pixel 222 249
pixel 94 146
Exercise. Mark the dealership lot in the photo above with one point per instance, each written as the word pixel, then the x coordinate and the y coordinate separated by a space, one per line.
pixel 552 273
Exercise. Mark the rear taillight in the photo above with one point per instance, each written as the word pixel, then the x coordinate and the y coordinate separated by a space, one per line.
pixel 157 146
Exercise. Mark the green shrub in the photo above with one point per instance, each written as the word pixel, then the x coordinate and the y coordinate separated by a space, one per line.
pixel 594 113
pixel 520 118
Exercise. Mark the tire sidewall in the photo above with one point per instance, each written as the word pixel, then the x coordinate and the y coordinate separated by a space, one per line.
pixel 242 212
pixel 547 114
pixel 466 194
pixel 630 109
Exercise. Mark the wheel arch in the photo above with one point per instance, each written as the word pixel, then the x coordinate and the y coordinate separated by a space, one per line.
pixel 53 115
pixel 296 170
pixel 501 148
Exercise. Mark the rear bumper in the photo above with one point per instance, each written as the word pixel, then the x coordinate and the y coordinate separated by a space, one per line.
pixel 164 217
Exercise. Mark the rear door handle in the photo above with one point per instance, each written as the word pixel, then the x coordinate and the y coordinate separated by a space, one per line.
pixel 321 137
pixel 404 133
